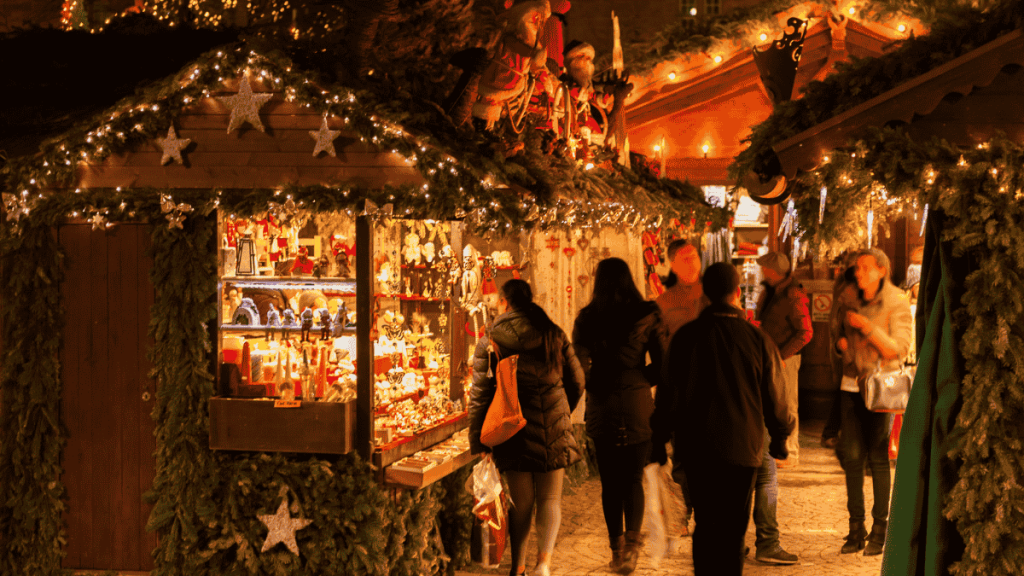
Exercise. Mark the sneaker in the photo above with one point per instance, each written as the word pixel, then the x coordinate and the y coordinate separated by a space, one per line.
pixel 779 556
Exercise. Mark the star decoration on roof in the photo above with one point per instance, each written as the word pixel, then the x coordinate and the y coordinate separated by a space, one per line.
pixel 324 139
pixel 245 106
pixel 282 528
pixel 172 146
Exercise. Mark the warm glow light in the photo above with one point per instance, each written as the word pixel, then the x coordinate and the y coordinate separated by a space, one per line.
pixel 718 59
pixel 705 148
pixel 589 165
pixel 763 36
pixel 693 11
pixel 671 75
pixel 657 147
pixel 852 11
pixel 902 27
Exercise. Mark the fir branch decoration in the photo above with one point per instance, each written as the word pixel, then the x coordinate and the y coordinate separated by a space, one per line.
pixel 955 33
pixel 31 491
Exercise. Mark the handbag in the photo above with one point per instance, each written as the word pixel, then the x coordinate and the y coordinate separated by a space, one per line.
pixel 888 390
pixel 504 416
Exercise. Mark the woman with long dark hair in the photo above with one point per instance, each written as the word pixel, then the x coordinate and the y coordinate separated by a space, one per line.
pixel 550 385
pixel 614 336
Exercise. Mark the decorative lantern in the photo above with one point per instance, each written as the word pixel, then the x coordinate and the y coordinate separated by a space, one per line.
pixel 246 256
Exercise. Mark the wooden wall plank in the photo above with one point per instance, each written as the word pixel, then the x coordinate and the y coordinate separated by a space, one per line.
pixel 246 177
pixel 104 450
pixel 122 260
pixel 76 467
pixel 304 157
pixel 147 427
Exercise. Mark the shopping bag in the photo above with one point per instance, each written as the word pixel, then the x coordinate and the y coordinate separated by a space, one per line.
pixel 664 511
pixel 490 528
pixel 654 516
pixel 504 416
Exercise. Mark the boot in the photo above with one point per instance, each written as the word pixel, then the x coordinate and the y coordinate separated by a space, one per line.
pixel 876 540
pixel 617 545
pixel 855 540
pixel 630 552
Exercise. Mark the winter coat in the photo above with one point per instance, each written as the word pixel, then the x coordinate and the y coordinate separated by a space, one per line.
pixel 548 392
pixel 889 311
pixel 724 385
pixel 785 316
pixel 613 353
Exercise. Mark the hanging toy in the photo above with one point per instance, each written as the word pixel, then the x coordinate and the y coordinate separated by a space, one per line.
pixel 488 288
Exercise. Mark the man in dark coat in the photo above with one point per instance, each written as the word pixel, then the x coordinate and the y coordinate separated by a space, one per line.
pixel 785 316
pixel 722 387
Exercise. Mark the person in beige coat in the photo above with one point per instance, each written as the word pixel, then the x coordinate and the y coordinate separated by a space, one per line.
pixel 874 336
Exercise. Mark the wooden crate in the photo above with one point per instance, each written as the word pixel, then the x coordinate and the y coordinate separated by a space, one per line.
pixel 256 425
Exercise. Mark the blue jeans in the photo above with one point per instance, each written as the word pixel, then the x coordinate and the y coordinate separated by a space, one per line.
pixel 766 500
pixel 864 437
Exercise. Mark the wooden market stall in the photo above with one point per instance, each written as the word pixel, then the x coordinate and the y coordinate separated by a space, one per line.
pixel 240 313
pixel 944 137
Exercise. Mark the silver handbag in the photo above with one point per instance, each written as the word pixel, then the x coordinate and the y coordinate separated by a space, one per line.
pixel 888 390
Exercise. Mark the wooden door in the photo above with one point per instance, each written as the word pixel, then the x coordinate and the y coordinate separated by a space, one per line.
pixel 108 397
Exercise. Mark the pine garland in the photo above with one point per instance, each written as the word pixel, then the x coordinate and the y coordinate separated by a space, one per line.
pixel 955 32
pixel 31 435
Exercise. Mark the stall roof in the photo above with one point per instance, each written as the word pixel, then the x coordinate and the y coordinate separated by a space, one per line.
pixel 920 97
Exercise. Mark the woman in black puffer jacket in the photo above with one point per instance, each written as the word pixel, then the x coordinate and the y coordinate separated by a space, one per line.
pixel 614 335
pixel 550 384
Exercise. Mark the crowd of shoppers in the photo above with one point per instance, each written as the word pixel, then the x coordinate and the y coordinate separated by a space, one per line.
pixel 693 373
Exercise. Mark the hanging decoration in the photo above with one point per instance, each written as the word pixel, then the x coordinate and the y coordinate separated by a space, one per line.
pixel 821 205
pixel 172 146
pixel 871 227
pixel 924 220
pixel 99 218
pixel 174 213
pixel 788 221
pixel 324 139
pixel 245 106
pixel 282 526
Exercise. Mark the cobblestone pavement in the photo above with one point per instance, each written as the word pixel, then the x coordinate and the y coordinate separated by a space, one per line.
pixel 812 519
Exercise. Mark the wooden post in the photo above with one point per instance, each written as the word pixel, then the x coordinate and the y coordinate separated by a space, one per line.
pixel 364 346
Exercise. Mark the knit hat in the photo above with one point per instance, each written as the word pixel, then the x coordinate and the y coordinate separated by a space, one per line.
pixel 776 261
pixel 576 47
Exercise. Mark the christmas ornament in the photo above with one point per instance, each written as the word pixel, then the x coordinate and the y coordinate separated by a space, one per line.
pixel 172 146
pixel 924 219
pixel 99 220
pixel 871 227
pixel 175 213
pixel 821 206
pixel 533 213
pixel 788 221
pixel 282 527
pixel 245 106
pixel 324 139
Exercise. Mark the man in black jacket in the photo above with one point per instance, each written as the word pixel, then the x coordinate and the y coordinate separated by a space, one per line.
pixel 723 385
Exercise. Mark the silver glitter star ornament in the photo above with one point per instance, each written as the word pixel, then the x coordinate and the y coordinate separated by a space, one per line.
pixel 282 528
pixel 324 139
pixel 172 146
pixel 245 106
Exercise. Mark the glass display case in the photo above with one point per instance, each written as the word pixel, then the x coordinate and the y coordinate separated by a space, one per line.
pixel 306 304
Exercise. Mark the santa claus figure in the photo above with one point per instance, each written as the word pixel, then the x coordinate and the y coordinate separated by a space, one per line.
pixel 519 53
